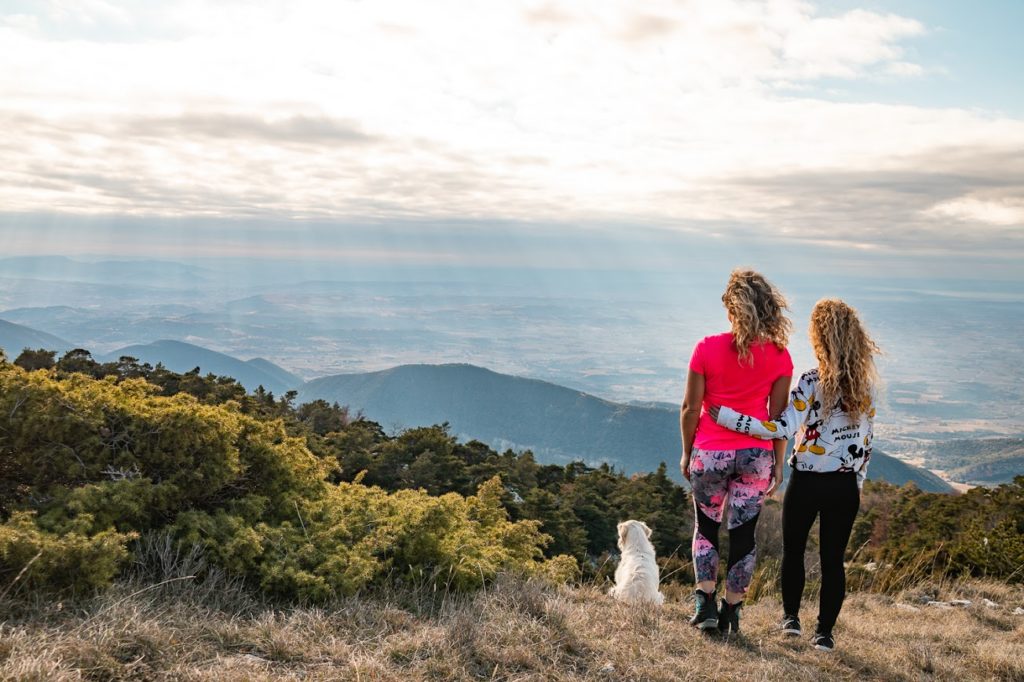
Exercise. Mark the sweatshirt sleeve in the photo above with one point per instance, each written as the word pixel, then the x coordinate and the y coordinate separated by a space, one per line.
pixel 869 434
pixel 785 426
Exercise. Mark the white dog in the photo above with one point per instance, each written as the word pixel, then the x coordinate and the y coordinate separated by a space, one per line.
pixel 636 578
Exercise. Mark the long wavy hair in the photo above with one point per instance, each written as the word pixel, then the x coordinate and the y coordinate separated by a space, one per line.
pixel 756 308
pixel 846 357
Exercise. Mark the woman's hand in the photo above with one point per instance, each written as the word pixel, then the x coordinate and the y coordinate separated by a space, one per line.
pixel 713 411
pixel 684 465
pixel 776 480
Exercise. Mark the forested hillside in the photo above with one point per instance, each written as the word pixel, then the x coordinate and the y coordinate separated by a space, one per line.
pixel 307 502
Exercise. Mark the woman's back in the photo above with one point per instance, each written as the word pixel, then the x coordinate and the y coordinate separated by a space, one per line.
pixel 730 381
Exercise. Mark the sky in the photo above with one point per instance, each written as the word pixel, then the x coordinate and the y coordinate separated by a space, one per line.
pixel 882 136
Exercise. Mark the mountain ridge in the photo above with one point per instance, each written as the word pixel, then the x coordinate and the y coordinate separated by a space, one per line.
pixel 559 424
pixel 181 356
pixel 15 337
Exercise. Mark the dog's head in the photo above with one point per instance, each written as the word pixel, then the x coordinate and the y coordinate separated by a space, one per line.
pixel 633 534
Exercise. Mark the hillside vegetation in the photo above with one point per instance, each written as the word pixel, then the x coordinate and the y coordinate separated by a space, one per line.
pixel 156 525
pixel 89 466
pixel 308 503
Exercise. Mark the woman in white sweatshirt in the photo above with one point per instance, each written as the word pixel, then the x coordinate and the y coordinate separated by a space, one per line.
pixel 831 413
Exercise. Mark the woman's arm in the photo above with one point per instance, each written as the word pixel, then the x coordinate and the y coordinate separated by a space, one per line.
pixel 777 403
pixel 778 398
pixel 783 426
pixel 689 415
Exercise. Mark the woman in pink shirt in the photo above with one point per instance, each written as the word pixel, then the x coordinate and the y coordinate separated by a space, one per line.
pixel 748 366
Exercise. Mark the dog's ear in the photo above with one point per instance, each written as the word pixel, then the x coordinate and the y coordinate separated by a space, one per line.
pixel 622 528
pixel 647 530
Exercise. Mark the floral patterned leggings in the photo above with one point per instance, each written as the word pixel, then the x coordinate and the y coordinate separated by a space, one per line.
pixel 740 478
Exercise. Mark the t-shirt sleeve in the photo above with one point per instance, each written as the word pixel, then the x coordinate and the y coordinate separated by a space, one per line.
pixel 784 367
pixel 697 358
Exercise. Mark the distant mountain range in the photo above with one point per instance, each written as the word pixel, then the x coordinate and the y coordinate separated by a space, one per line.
pixel 15 338
pixel 558 424
pixel 61 268
pixel 179 356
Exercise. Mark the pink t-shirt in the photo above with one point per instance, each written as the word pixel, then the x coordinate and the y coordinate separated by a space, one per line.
pixel 740 385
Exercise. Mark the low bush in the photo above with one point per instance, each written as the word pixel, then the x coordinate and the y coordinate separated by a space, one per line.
pixel 89 464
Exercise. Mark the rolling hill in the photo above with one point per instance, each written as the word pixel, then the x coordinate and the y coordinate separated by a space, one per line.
pixel 14 338
pixel 981 461
pixel 179 356
pixel 559 424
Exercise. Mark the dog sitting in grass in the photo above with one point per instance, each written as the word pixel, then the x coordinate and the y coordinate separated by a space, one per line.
pixel 636 578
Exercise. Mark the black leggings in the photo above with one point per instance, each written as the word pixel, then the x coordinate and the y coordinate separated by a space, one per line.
pixel 836 498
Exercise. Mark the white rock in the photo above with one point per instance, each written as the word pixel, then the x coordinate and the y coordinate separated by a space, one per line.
pixel 960 602
pixel 1018 611
pixel 940 604
pixel 871 567
pixel 989 603
pixel 608 668
pixel 245 660
pixel 907 607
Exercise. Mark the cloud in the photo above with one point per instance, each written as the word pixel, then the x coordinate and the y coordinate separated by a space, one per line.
pixel 682 115
pixel 905 69
pixel 906 207
pixel 296 129
pixel 641 27
pixel 1007 211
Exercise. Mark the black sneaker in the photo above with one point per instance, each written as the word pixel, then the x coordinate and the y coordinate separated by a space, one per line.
pixel 823 641
pixel 791 626
pixel 729 617
pixel 706 616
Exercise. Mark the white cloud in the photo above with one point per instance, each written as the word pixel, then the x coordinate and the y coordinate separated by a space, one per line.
pixel 976 210
pixel 664 112
pixel 905 69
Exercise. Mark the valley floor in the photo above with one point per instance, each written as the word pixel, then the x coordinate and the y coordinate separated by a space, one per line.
pixel 511 631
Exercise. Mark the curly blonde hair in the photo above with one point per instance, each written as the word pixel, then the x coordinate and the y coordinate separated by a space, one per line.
pixel 756 308
pixel 846 357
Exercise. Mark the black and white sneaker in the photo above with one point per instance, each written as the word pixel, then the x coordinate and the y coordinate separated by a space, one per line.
pixel 791 626
pixel 823 641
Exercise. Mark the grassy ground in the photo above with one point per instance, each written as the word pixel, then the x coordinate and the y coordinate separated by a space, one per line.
pixel 510 631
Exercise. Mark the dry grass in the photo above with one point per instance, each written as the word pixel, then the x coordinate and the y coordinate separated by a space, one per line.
pixel 510 631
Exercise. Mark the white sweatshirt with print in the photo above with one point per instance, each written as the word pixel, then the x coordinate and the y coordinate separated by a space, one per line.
pixel 826 439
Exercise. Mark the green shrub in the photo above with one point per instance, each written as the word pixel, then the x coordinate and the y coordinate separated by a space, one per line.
pixel 73 560
pixel 88 464
pixel 354 535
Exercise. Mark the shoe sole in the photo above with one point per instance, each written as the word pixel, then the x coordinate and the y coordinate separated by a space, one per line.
pixel 822 648
pixel 710 624
pixel 792 633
